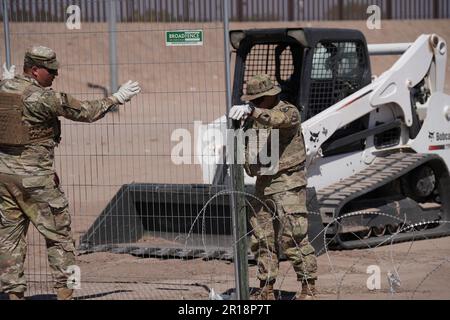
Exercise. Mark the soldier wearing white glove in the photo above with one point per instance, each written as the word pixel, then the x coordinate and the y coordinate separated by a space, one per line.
pixel 241 111
pixel 127 91
pixel 36 134
pixel 8 74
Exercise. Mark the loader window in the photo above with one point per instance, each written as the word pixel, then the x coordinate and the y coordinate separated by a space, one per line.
pixel 281 62
pixel 320 68
pixel 337 71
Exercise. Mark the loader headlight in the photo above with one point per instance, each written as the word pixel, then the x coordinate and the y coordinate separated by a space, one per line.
pixel 434 40
pixel 447 112
pixel 236 37
pixel 442 47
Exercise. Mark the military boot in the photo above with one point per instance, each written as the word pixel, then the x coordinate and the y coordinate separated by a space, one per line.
pixel 16 296
pixel 64 294
pixel 308 291
pixel 265 292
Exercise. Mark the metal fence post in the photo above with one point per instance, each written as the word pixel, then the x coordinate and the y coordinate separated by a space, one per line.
pixel 6 32
pixel 435 9
pixel 112 46
pixel 186 13
pixel 291 13
pixel 240 10
pixel 237 178
pixel 341 9
pixel 389 9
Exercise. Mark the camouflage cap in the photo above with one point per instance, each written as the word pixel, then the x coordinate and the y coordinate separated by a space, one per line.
pixel 42 57
pixel 258 86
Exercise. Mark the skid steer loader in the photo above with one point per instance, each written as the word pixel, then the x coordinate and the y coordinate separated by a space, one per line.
pixel 378 149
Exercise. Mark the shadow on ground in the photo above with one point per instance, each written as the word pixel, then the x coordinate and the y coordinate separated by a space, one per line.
pixel 53 296
pixel 279 294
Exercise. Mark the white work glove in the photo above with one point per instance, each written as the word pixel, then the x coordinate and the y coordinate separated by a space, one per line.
pixel 8 74
pixel 241 111
pixel 127 91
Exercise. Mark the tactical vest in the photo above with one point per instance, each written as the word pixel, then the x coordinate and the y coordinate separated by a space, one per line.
pixel 14 131
pixel 291 150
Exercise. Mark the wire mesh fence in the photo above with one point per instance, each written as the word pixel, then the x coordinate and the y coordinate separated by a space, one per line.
pixel 133 209
pixel 148 226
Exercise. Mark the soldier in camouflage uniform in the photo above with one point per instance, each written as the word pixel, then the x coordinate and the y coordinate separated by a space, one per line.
pixel 280 222
pixel 29 187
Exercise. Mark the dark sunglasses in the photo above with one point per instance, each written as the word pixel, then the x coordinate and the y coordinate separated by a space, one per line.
pixel 51 71
pixel 257 101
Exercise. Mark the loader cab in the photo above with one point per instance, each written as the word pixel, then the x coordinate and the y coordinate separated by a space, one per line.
pixel 315 68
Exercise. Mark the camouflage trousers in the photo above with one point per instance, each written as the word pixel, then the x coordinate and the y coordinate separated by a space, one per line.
pixel 280 224
pixel 40 200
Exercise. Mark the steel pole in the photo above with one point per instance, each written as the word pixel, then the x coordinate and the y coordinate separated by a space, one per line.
pixel 6 33
pixel 387 48
pixel 237 199
pixel 112 18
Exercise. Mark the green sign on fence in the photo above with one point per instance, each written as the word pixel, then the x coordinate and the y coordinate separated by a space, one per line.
pixel 184 38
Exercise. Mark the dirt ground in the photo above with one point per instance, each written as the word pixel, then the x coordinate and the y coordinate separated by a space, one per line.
pixel 422 269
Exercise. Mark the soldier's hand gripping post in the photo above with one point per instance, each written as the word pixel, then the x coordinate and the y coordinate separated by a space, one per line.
pixel 279 219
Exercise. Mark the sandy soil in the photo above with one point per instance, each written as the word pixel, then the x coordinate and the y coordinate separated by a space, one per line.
pixel 422 268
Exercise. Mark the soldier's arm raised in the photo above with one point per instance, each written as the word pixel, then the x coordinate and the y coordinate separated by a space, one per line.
pixel 83 111
pixel 90 111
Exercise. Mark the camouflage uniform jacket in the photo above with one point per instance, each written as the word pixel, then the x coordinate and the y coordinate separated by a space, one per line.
pixel 286 118
pixel 44 106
